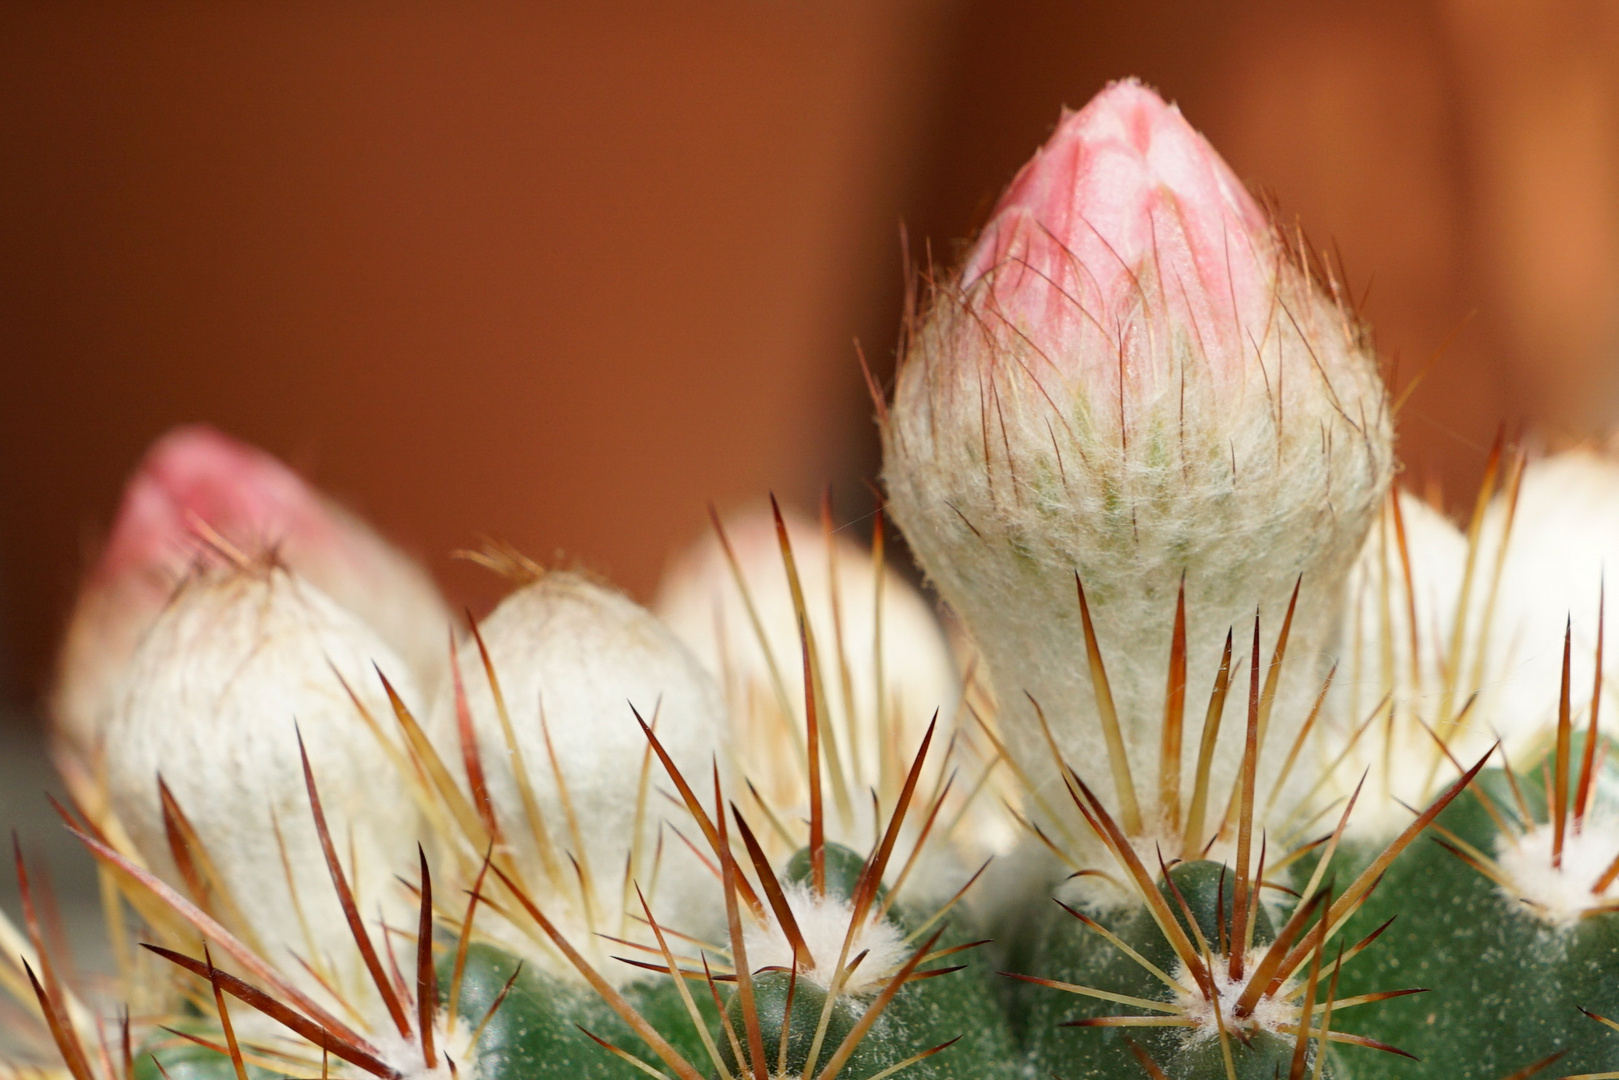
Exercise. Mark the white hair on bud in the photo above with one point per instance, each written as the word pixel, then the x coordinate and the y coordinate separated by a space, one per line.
pixel 241 662
pixel 582 656
pixel 824 923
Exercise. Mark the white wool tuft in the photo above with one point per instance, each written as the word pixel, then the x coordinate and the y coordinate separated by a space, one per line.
pixel 1273 1013
pixel 824 922
pixel 405 1053
pixel 1559 895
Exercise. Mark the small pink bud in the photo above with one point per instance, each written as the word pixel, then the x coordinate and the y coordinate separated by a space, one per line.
pixel 1126 227
pixel 1134 378
pixel 195 491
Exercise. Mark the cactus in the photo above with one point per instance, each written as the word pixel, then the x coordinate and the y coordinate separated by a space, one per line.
pixel 1243 764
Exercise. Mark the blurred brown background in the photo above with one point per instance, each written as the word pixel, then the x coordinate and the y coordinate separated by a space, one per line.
pixel 563 273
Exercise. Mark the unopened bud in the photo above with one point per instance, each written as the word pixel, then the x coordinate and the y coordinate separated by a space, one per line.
pixel 1395 660
pixel 194 488
pixel 242 661
pixel 1562 550
pixel 876 726
pixel 1135 378
pixel 574 663
pixel 885 671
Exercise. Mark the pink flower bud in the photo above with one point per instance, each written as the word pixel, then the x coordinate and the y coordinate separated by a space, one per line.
pixel 194 489
pixel 1134 377
pixel 1125 229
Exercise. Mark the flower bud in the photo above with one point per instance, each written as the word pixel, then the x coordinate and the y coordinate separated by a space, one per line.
pixel 194 481
pixel 1134 378
pixel 241 661
pixel 880 693
pixel 877 727
pixel 1395 658
pixel 1562 543
pixel 572 660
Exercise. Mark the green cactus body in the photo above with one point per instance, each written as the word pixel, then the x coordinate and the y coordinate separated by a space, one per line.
pixel 168 1056
pixel 1507 985
pixel 924 1014
pixel 535 1032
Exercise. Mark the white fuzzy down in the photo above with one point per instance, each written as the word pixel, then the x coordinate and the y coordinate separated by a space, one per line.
pixel 586 654
pixel 1009 476
pixel 405 1054
pixel 1272 1013
pixel 824 922
pixel 215 690
pixel 320 540
pixel 1560 895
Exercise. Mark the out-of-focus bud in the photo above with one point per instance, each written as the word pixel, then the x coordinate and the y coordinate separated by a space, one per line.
pixel 1394 659
pixel 1562 547
pixel 195 480
pixel 881 692
pixel 1134 377
pixel 877 727
pixel 240 661
pixel 572 659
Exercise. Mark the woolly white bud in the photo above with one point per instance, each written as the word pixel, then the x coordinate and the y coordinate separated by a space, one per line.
pixel 240 661
pixel 881 693
pixel 1133 379
pixel 1387 661
pixel 1562 546
pixel 572 658
pixel 877 727
pixel 195 480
